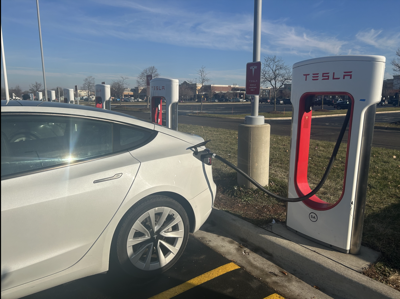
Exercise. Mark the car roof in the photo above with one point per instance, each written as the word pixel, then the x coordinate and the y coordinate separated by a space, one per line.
pixel 49 107
pixel 60 105
pixel 64 108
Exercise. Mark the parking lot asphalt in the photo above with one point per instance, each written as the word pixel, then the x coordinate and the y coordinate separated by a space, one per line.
pixel 200 273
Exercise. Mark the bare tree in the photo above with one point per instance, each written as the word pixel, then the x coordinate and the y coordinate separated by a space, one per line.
pixel 275 73
pixel 203 78
pixel 88 84
pixel 35 87
pixel 396 62
pixel 141 79
pixel 118 87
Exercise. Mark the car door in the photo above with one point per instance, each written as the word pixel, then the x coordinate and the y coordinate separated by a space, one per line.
pixel 63 179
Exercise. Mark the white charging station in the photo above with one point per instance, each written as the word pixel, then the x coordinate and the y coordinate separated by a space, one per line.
pixel 340 224
pixel 103 96
pixel 69 96
pixel 39 96
pixel 168 90
pixel 51 94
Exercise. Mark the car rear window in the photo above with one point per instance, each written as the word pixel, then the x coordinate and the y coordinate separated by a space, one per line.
pixel 34 142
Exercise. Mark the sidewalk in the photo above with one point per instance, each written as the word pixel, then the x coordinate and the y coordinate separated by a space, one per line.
pixel 333 273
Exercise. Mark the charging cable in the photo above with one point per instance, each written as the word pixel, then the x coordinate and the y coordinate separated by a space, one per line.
pixel 206 155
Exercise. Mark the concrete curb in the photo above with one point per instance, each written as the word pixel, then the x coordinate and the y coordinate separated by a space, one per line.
pixel 332 278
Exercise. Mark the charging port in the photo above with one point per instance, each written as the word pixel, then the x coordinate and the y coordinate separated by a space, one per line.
pixel 204 156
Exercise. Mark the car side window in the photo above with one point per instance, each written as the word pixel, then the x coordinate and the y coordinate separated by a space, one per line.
pixel 35 142
pixel 89 139
pixel 30 143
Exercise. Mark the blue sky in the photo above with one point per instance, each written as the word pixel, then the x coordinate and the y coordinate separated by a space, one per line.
pixel 108 39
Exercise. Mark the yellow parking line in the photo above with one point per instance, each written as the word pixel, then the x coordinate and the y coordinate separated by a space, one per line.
pixel 196 281
pixel 274 296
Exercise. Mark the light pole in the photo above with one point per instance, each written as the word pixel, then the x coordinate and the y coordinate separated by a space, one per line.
pixel 4 67
pixel 41 50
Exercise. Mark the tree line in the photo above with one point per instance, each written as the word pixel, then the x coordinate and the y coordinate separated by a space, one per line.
pixel 274 74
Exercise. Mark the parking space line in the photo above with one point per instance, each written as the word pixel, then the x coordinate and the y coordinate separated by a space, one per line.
pixel 274 296
pixel 196 281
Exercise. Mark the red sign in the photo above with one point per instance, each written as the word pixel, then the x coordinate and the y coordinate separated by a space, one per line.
pixel 148 79
pixel 253 78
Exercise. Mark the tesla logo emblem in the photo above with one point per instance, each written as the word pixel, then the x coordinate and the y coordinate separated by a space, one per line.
pixel 313 217
pixel 329 76
pixel 253 68
pixel 158 87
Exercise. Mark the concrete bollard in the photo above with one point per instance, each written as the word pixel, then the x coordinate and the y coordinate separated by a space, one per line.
pixel 253 154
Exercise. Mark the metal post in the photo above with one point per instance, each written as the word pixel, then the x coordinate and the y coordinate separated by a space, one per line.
pixel 41 50
pixel 4 68
pixel 255 119
pixel 256 47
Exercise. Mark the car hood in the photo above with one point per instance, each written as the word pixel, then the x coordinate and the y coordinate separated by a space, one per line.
pixel 189 138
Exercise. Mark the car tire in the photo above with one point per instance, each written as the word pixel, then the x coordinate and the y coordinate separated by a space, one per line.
pixel 150 238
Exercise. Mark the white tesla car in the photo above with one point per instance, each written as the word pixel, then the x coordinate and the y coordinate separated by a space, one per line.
pixel 81 187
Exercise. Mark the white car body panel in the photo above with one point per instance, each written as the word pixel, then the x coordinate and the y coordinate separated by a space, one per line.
pixel 58 226
pixel 163 165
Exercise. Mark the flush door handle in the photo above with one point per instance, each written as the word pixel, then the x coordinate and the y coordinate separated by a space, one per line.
pixel 114 177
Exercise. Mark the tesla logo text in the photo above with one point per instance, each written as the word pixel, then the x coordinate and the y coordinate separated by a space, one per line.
pixel 313 217
pixel 253 68
pixel 158 87
pixel 329 76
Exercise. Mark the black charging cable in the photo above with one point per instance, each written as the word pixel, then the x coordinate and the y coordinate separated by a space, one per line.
pixel 208 154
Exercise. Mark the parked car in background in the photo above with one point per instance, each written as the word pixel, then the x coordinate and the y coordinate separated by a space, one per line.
pixel 383 102
pixel 341 104
pixel 264 100
pixel 278 101
pixel 328 102
pixel 26 97
pixel 317 102
pixel 97 190
pixel 287 102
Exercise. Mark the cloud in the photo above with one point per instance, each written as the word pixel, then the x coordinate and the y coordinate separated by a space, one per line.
pixel 378 39
pixel 300 41
pixel 177 26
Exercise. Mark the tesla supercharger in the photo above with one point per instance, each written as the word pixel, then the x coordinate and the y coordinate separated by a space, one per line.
pixel 51 94
pixel 103 96
pixel 39 96
pixel 360 78
pixel 69 96
pixel 168 90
